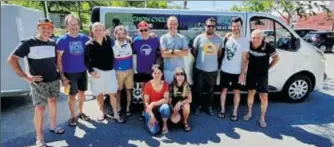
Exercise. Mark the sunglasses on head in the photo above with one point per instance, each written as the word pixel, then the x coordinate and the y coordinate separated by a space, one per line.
pixel 179 74
pixel 143 30
pixel 211 26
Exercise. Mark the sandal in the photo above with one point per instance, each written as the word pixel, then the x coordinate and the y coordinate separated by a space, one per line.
pixel 262 124
pixel 40 143
pixel 187 128
pixel 221 114
pixel 247 117
pixel 72 122
pixel 83 116
pixel 234 118
pixel 118 120
pixel 57 130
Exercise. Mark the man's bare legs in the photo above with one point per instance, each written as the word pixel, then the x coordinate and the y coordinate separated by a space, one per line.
pixel 38 122
pixel 236 102
pixel 128 100
pixel 264 105
pixel 250 102
pixel 222 101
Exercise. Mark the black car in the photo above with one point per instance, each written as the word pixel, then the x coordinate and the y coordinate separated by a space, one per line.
pixel 303 32
pixel 323 40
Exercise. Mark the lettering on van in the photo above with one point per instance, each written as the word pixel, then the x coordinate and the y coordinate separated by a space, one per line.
pixel 149 19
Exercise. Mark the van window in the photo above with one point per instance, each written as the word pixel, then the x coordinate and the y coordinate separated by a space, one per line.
pixel 189 25
pixel 275 34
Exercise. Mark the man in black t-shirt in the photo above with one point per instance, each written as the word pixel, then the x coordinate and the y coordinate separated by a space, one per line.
pixel 257 73
pixel 43 76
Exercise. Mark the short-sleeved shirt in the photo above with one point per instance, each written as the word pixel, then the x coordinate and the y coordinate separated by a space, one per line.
pixel 175 93
pixel 259 59
pixel 73 52
pixel 41 57
pixel 123 56
pixel 170 42
pixel 155 95
pixel 232 61
pixel 207 52
pixel 147 52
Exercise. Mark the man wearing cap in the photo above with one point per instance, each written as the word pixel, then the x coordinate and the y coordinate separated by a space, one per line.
pixel 70 61
pixel 43 76
pixel 147 49
pixel 174 47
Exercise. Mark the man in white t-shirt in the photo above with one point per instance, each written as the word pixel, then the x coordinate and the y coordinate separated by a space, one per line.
pixel 232 71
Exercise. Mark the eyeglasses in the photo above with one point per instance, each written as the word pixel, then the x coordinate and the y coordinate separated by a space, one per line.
pixel 179 74
pixel 143 30
pixel 211 26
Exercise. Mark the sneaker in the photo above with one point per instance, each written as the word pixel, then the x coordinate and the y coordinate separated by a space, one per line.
pixel 40 143
pixel 210 112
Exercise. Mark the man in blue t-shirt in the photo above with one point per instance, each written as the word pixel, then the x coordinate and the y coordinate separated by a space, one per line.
pixel 70 62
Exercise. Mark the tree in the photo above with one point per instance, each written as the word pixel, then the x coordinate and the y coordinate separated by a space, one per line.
pixel 286 9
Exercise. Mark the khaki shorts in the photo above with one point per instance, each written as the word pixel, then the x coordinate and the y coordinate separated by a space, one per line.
pixel 125 78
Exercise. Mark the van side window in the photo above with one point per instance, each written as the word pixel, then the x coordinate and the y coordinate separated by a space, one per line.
pixel 275 34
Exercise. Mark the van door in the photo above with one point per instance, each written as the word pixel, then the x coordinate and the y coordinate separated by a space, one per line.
pixel 278 36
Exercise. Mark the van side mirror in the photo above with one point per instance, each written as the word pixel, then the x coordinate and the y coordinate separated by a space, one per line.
pixel 296 44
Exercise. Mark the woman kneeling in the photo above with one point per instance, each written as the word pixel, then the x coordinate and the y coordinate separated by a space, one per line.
pixel 180 94
pixel 157 110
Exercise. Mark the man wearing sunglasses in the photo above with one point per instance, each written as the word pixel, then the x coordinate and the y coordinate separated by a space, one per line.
pixel 174 48
pixel 206 50
pixel 146 48
pixel 43 75
pixel 70 61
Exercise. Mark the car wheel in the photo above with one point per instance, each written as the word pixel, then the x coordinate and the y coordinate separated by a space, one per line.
pixel 323 48
pixel 297 89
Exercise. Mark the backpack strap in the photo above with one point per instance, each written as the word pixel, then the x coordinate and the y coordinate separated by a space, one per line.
pixel 220 59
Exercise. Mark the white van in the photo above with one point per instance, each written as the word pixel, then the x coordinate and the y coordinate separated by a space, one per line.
pixel 17 23
pixel 301 68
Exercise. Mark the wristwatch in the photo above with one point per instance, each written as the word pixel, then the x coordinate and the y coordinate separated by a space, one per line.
pixel 172 51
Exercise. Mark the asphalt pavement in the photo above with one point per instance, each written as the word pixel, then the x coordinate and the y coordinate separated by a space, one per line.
pixel 310 123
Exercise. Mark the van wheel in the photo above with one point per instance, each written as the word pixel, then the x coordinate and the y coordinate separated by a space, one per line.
pixel 297 89
pixel 323 48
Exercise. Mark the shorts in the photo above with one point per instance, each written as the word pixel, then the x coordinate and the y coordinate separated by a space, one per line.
pixel 142 77
pixel 227 80
pixel 258 82
pixel 43 91
pixel 78 81
pixel 125 78
pixel 105 84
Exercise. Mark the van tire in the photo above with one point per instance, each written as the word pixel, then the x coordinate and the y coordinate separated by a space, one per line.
pixel 297 89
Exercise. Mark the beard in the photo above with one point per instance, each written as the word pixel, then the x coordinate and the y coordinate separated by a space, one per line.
pixel 210 32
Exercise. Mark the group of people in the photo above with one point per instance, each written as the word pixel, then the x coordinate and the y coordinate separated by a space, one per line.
pixel 160 71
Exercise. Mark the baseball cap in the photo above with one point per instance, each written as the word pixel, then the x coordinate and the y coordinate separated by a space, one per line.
pixel 45 21
pixel 142 24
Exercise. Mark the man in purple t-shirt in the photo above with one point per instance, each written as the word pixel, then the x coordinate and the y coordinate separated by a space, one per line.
pixel 70 62
pixel 147 50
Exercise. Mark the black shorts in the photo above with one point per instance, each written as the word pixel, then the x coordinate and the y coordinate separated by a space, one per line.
pixel 229 80
pixel 142 77
pixel 78 81
pixel 257 82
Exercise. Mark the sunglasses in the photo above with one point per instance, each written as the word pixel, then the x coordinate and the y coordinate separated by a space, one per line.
pixel 144 30
pixel 211 26
pixel 179 74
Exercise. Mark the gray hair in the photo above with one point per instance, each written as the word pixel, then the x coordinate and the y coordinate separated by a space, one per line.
pixel 258 32
pixel 172 18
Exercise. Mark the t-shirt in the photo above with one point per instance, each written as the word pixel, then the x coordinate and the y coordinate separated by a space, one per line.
pixel 155 95
pixel 74 50
pixel 170 42
pixel 232 61
pixel 259 58
pixel 123 56
pixel 147 52
pixel 175 93
pixel 207 53
pixel 41 57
